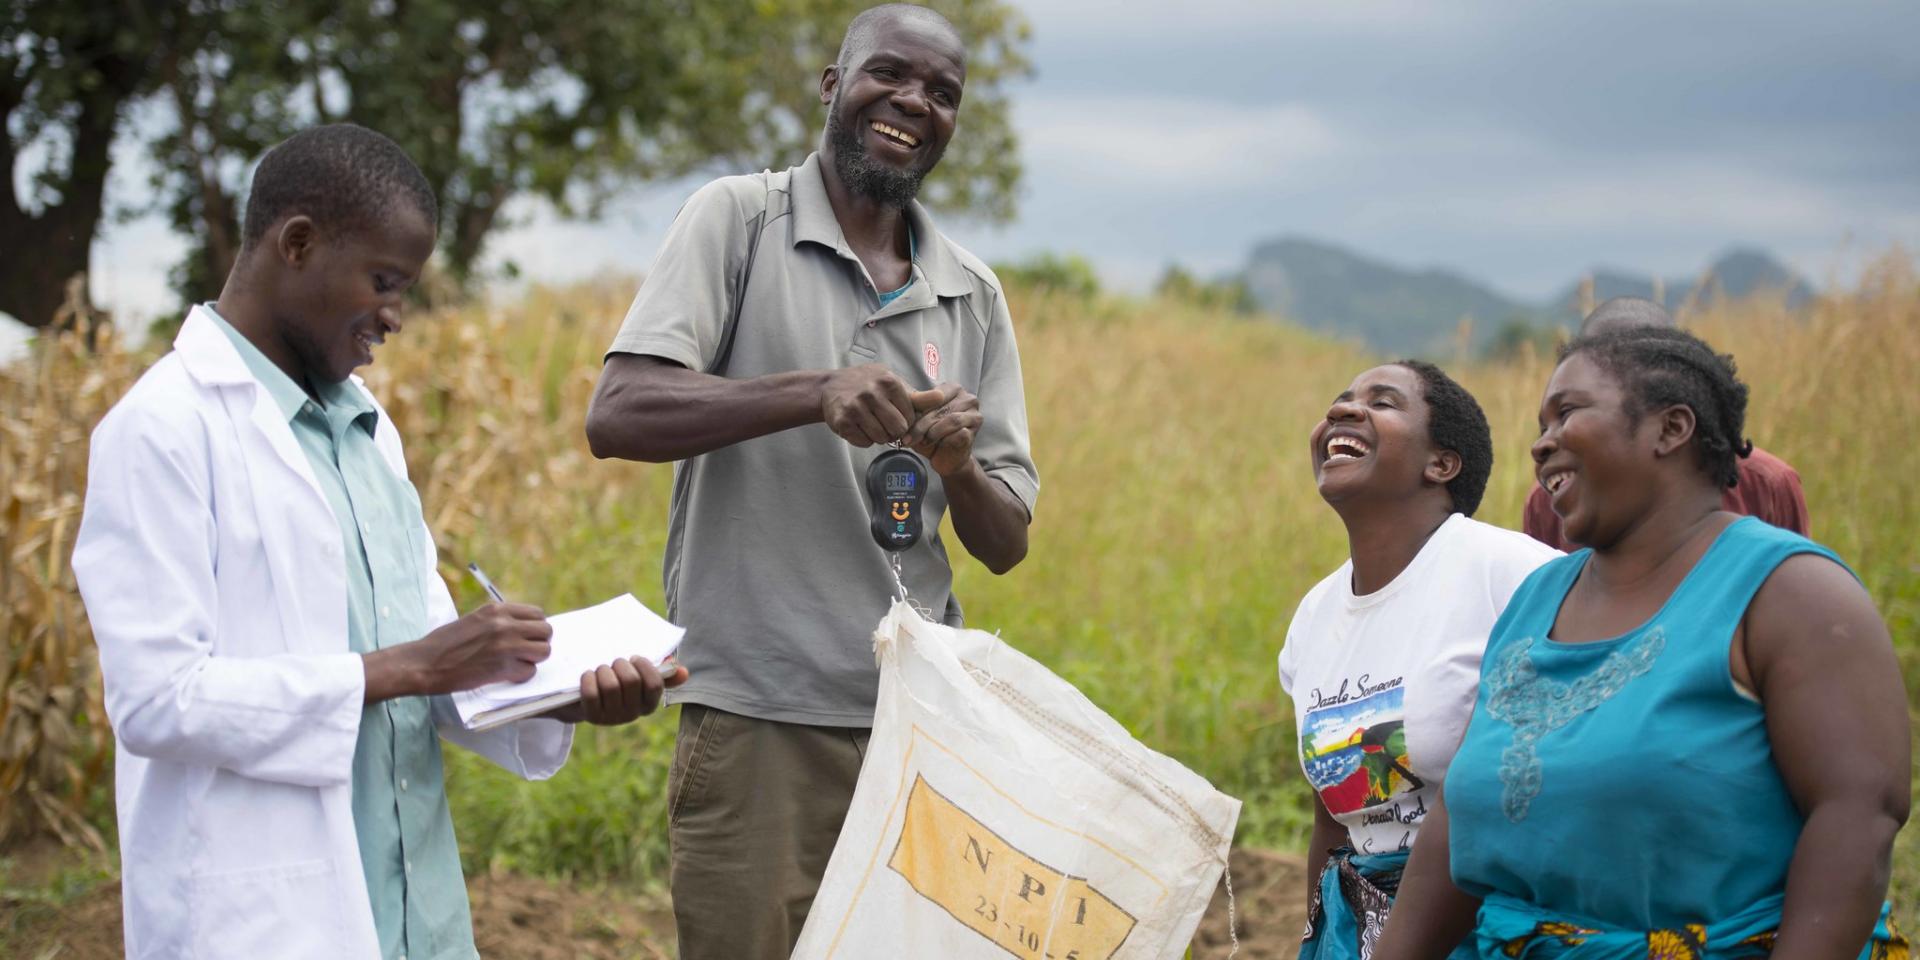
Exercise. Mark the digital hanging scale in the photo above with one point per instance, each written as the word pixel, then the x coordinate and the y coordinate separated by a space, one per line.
pixel 896 486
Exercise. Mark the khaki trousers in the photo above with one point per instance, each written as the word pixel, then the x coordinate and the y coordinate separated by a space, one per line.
pixel 754 809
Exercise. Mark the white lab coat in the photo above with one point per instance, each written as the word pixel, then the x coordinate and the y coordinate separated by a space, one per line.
pixel 211 567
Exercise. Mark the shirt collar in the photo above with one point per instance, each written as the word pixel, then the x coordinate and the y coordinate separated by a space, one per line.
pixel 286 394
pixel 813 220
pixel 348 404
pixel 343 400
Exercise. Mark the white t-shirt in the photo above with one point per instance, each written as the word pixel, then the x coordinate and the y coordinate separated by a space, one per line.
pixel 1383 684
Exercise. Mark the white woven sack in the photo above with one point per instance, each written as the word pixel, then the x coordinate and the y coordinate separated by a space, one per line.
pixel 1000 813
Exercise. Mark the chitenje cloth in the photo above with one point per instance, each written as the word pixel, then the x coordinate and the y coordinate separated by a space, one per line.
pixel 1347 912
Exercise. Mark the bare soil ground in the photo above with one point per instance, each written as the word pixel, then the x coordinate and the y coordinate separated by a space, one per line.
pixel 1270 909
pixel 57 905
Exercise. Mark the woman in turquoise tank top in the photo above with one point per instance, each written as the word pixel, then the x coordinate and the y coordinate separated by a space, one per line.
pixel 1691 738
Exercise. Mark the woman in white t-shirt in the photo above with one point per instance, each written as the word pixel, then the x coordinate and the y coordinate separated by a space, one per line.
pixel 1382 659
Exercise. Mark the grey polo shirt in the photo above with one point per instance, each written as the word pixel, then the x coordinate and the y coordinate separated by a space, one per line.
pixel 769 564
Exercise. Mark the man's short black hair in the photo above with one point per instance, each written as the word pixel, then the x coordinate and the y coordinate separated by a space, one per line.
pixel 1660 367
pixel 346 177
pixel 1456 422
pixel 867 23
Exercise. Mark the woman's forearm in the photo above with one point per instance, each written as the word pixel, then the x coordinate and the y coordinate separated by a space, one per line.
pixel 1837 881
pixel 1430 915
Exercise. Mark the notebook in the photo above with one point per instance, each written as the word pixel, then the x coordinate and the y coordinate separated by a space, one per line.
pixel 583 640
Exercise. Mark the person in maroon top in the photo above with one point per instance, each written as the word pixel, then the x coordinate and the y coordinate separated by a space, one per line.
pixel 1769 488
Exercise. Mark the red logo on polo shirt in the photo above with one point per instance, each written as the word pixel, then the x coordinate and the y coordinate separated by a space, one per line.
pixel 933 362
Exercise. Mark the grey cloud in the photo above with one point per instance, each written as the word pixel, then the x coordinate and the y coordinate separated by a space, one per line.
pixel 1516 141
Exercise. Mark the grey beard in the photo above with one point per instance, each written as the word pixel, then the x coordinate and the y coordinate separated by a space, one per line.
pixel 864 175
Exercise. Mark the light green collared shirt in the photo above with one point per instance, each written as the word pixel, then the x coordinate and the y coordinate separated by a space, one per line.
pixel 407 847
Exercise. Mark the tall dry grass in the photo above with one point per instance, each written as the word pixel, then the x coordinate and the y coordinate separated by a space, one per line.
pixel 54 745
pixel 1177 525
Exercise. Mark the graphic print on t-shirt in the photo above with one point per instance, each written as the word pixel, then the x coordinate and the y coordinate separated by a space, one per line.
pixel 1355 750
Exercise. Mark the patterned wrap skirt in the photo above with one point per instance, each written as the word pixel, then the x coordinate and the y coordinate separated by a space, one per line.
pixel 1348 909
pixel 1510 929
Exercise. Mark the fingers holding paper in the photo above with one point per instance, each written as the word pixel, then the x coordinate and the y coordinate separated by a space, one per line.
pixel 600 670
pixel 621 692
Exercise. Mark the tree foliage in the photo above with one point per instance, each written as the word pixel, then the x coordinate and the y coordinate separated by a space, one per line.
pixel 1069 275
pixel 545 98
pixel 553 99
pixel 1232 293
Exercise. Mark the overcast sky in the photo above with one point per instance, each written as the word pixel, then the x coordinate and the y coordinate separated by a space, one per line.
pixel 1520 143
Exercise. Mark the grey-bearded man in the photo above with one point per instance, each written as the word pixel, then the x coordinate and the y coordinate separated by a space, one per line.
pixel 793 324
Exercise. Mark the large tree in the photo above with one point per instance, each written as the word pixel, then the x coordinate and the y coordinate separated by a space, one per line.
pixel 69 69
pixel 556 99
pixel 551 98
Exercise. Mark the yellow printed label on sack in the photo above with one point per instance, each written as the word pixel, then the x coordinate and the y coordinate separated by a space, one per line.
pixel 1024 906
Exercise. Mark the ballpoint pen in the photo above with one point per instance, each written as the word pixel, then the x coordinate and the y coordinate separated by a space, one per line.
pixel 492 591
pixel 666 667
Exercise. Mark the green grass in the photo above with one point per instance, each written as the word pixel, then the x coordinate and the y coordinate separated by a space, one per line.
pixel 1170 545
pixel 1176 530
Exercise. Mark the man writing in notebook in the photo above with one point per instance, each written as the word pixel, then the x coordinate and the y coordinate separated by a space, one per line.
pixel 275 641
pixel 791 323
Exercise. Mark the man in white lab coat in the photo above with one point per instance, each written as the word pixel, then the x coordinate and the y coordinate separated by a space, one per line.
pixel 275 641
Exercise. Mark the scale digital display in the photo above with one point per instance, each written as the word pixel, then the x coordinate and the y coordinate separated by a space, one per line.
pixel 896 482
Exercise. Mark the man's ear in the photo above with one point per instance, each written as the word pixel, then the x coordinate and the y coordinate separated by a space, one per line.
pixel 1677 424
pixel 829 81
pixel 295 239
pixel 1442 467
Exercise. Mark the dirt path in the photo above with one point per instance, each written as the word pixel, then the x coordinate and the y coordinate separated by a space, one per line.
pixel 1269 892
pixel 522 918
pixel 526 918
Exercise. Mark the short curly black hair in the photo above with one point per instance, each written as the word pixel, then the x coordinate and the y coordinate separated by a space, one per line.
pixel 1661 367
pixel 1456 422
pixel 346 177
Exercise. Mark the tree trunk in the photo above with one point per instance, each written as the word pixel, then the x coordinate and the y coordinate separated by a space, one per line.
pixel 49 249
pixel 471 223
pixel 219 224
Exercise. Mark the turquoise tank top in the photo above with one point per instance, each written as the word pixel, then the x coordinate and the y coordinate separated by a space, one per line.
pixel 1626 782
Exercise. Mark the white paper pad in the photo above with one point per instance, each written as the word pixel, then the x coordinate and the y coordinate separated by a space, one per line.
pixel 582 640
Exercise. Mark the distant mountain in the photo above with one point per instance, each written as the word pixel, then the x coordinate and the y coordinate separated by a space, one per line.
pixel 1738 273
pixel 1401 311
pixel 1395 310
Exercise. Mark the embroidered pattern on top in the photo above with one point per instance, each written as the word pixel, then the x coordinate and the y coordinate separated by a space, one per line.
pixel 1536 706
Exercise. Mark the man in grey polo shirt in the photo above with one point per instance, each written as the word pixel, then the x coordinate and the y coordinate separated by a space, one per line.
pixel 792 322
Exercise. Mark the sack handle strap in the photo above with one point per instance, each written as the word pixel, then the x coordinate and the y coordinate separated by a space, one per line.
pixel 732 328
